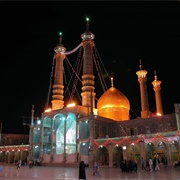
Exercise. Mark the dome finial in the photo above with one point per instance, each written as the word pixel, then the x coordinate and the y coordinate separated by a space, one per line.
pixel 112 85
pixel 140 64
pixel 155 76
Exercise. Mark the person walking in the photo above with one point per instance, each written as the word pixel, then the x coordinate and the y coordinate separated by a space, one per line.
pixel 135 166
pixel 96 168
pixel 143 164
pixel 151 164
pixel 165 161
pixel 82 172
pixel 156 163
pixel 19 164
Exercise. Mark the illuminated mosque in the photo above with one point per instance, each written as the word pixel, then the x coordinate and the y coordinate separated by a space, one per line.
pixel 99 130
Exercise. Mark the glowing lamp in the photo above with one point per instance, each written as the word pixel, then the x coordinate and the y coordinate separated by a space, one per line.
pixel 87 19
pixel 158 114
pixel 71 105
pixel 38 121
pixel 48 110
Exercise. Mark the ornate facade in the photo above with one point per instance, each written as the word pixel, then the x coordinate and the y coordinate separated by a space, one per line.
pixel 14 147
pixel 104 133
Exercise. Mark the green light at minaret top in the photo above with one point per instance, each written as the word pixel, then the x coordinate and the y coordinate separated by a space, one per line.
pixel 60 38
pixel 87 19
pixel 87 24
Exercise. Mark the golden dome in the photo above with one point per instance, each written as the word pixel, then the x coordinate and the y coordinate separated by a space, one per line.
pixel 114 104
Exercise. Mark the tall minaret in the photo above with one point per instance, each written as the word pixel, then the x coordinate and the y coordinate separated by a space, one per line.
pixel 88 95
pixel 145 113
pixel 58 88
pixel 157 89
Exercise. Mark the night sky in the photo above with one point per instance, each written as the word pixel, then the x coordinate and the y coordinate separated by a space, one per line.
pixel 125 32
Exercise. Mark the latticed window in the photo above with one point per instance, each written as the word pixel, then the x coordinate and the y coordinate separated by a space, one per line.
pixel 141 129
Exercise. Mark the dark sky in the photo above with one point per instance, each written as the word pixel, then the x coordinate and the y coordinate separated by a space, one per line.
pixel 124 33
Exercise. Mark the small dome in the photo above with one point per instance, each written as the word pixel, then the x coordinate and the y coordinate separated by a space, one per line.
pixel 114 104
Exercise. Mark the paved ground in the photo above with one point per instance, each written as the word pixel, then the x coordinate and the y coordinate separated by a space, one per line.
pixel 9 172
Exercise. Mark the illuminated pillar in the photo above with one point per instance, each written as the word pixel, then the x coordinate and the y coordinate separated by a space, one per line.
pixel 52 140
pixel 91 141
pixel 58 87
pixel 9 154
pixel 177 114
pixel 110 155
pixel 77 137
pixel 143 150
pixel 169 154
pixel 157 89
pixel 41 144
pixel 65 119
pixel 143 92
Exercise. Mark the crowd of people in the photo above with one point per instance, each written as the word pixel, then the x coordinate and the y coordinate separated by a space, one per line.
pixel 30 163
pixel 128 166
pixel 150 165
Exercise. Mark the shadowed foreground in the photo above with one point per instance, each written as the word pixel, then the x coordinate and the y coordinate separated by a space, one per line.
pixel 9 172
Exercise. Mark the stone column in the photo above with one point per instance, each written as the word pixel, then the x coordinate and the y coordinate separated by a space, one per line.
pixel 143 150
pixel 110 155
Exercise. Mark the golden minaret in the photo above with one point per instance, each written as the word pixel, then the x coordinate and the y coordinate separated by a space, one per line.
pixel 58 87
pixel 157 89
pixel 88 95
pixel 145 113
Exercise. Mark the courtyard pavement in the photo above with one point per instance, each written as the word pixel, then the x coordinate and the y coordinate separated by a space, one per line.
pixel 9 172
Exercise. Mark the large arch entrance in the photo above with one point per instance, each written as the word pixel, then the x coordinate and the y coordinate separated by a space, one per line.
pixel 150 150
pixel 102 155
pixel 117 155
pixel 161 150
pixel 174 151
pixel 134 152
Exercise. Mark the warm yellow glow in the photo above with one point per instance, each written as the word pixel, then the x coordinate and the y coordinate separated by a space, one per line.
pixel 48 110
pixel 71 105
pixel 158 114
pixel 141 73
pixel 113 106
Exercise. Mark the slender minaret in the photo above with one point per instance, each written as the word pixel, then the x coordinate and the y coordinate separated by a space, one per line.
pixel 157 89
pixel 145 113
pixel 58 87
pixel 88 95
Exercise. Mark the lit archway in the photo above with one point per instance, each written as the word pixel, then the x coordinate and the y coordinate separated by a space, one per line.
pixel 117 154
pixel 102 155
